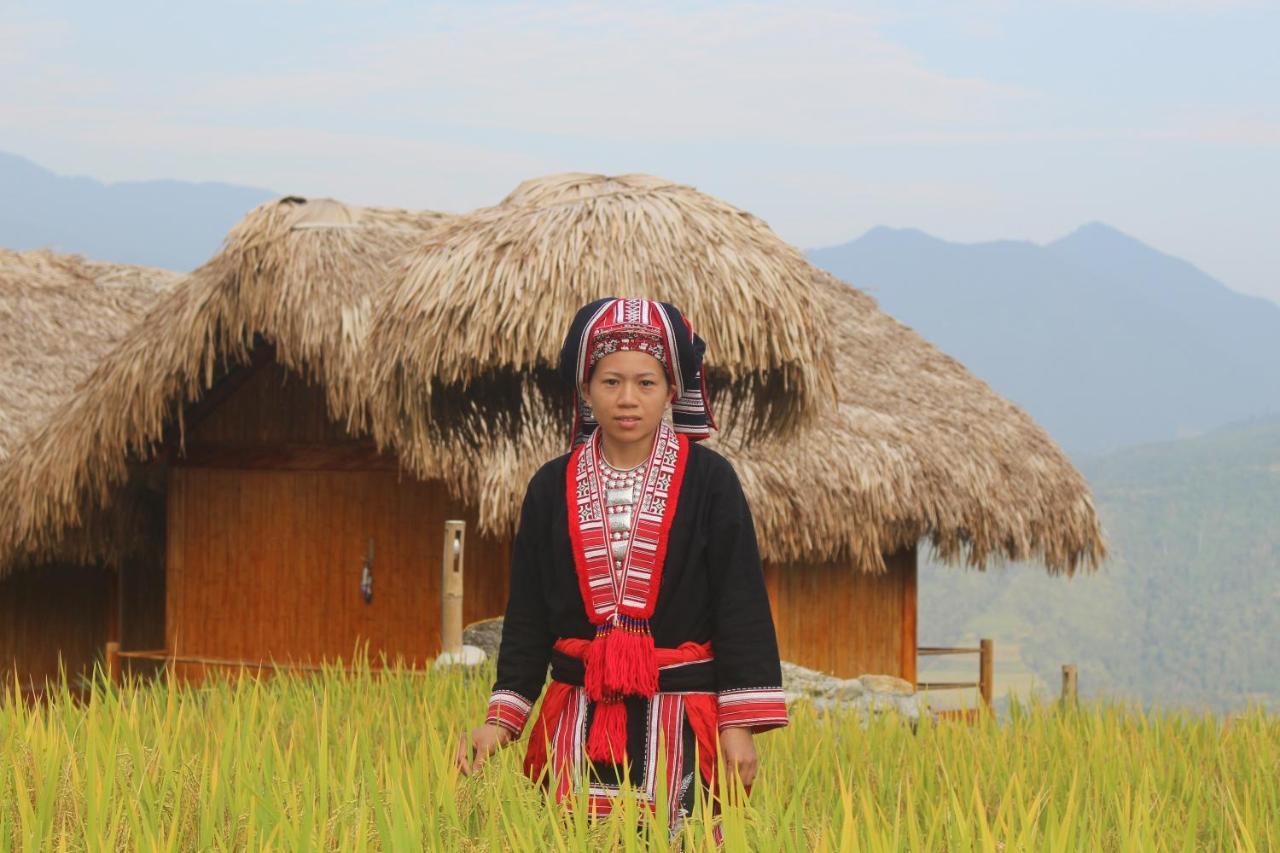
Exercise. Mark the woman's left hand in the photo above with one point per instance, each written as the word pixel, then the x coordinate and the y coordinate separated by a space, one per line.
pixel 739 753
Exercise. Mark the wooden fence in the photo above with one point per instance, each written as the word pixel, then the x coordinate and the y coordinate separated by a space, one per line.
pixel 986 655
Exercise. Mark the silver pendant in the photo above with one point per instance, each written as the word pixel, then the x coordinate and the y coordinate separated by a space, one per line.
pixel 617 497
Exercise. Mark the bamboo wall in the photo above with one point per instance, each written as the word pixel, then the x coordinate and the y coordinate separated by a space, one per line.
pixel 49 613
pixel 848 623
pixel 269 522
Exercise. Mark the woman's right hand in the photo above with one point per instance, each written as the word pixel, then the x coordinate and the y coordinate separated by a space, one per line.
pixel 476 746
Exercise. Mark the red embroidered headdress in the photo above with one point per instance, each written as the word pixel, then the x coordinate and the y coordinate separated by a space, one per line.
pixel 611 325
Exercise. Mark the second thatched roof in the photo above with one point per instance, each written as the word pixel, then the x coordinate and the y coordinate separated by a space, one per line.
pixel 298 273
pixel 917 448
pixel 59 314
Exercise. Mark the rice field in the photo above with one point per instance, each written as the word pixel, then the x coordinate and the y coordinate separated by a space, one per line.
pixel 362 760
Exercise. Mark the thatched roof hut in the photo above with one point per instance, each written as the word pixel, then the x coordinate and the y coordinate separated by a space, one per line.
pixel 435 337
pixel 296 273
pixel 59 314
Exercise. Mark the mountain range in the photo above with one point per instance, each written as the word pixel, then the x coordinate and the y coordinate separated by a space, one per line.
pixel 1104 340
pixel 172 224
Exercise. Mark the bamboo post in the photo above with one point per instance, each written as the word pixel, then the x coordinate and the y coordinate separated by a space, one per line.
pixel 113 661
pixel 1070 692
pixel 455 534
pixel 114 605
pixel 986 658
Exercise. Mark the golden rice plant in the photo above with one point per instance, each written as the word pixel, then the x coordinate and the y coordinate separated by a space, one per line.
pixel 360 758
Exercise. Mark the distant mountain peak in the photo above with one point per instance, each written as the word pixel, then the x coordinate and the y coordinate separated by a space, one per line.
pixel 886 236
pixel 880 230
pixel 1100 234
pixel 1097 226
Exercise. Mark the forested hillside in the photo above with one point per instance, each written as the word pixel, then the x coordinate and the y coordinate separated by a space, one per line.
pixel 1186 612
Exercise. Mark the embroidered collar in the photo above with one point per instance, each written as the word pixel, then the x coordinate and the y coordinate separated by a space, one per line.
pixel 633 591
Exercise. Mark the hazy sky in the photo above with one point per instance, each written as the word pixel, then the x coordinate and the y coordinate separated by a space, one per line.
pixel 970 120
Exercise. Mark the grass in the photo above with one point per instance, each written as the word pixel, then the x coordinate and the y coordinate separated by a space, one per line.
pixel 362 761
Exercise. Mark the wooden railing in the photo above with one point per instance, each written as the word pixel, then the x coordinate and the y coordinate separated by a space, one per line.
pixel 985 653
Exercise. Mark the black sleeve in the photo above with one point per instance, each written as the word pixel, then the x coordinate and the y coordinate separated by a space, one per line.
pixel 525 650
pixel 744 642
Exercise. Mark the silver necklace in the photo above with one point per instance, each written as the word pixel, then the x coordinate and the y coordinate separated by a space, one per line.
pixel 621 491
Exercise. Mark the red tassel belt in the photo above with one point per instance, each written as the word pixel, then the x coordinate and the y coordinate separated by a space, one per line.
pixel 677 667
pixel 689 668
pixel 690 652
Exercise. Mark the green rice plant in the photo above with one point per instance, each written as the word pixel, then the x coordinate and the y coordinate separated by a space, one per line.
pixel 360 757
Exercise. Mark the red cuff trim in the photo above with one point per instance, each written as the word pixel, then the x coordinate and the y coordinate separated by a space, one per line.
pixel 509 710
pixel 755 708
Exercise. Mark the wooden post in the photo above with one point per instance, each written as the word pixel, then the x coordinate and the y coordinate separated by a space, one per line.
pixel 986 657
pixel 113 661
pixel 455 533
pixel 1069 690
pixel 114 603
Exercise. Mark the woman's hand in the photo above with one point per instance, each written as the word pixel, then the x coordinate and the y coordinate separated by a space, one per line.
pixel 739 753
pixel 476 746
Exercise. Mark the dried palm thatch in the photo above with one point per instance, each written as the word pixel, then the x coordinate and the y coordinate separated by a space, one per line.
pixel 59 314
pixel 483 304
pixel 294 272
pixel 916 447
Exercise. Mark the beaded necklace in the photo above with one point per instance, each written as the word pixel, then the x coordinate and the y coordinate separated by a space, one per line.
pixel 621 490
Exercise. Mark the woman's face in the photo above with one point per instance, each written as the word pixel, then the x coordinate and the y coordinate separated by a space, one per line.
pixel 628 393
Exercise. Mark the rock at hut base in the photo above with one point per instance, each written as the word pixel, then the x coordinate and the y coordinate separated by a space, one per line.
pixel 485 634
pixel 867 695
pixel 468 656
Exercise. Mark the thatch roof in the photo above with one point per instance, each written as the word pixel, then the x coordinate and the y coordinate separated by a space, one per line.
pixel 298 273
pixel 911 445
pixel 59 314
pixel 919 448
pixel 497 288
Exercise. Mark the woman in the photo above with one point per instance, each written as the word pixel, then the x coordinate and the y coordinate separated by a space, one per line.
pixel 635 574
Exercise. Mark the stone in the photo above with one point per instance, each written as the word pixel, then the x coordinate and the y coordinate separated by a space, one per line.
pixel 847 690
pixel 468 656
pixel 803 681
pixel 889 684
pixel 485 634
